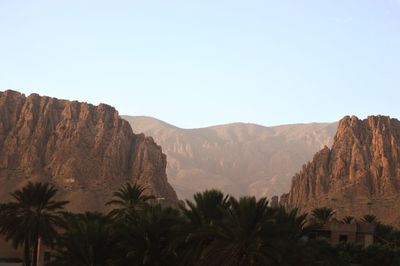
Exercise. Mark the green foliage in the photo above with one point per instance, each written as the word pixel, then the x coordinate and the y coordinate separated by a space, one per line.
pixel 153 238
pixel 323 215
pixel 378 255
pixel 208 207
pixel 33 215
pixel 320 253
pixel 291 229
pixel 245 237
pixel 88 240
pixel 369 218
pixel 350 253
pixel 128 199
pixel 348 220
pixel 214 229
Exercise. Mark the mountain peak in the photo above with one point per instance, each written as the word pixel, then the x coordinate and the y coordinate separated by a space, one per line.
pixel 360 172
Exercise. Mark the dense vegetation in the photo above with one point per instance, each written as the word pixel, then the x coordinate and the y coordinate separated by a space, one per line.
pixel 214 229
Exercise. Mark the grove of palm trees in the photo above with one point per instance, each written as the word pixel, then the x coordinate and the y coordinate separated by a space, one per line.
pixel 214 229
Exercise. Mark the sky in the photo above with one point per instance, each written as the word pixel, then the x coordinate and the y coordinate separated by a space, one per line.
pixel 200 63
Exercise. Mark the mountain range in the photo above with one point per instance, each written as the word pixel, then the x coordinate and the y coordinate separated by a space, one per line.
pixel 89 151
pixel 239 158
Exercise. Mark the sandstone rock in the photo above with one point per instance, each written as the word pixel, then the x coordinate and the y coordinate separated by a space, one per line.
pixel 360 174
pixel 86 151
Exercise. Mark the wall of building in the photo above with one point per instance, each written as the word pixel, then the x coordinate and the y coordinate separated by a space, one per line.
pixel 7 250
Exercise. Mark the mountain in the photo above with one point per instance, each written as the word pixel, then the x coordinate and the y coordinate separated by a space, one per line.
pixel 236 158
pixel 86 151
pixel 360 174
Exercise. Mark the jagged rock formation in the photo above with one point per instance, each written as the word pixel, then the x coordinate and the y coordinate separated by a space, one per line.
pixel 360 174
pixel 240 159
pixel 86 151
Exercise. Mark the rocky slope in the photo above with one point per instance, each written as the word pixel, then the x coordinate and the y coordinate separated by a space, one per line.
pixel 237 158
pixel 86 151
pixel 360 174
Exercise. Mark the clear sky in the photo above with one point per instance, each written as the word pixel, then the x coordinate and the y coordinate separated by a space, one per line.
pixel 198 63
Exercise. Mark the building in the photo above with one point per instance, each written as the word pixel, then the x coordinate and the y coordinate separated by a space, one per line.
pixel 336 232
pixel 8 253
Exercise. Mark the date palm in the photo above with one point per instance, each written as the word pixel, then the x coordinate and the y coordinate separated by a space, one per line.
pixel 153 238
pixel 32 216
pixel 88 240
pixel 323 215
pixel 291 229
pixel 208 209
pixel 128 199
pixel 9 228
pixel 370 218
pixel 348 220
pixel 245 237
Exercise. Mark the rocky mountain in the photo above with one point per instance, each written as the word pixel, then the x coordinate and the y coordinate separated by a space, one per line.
pixel 360 174
pixel 86 151
pixel 236 158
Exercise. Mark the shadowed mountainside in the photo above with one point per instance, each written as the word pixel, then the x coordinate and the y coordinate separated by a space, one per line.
pixel 237 158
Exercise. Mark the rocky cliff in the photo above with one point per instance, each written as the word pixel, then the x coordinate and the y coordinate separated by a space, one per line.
pixel 360 174
pixel 86 151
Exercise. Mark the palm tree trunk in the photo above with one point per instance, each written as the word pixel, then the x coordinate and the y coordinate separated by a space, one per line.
pixel 27 255
pixel 35 251
pixel 38 251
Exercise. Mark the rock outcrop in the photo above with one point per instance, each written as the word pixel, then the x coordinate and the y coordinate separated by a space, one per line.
pixel 86 151
pixel 360 174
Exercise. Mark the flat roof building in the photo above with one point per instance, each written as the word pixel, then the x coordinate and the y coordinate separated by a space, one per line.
pixel 336 232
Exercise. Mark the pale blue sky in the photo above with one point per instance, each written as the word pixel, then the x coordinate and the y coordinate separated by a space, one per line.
pixel 198 63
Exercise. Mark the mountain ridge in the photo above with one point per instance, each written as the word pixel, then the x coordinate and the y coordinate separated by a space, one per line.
pixel 234 157
pixel 152 118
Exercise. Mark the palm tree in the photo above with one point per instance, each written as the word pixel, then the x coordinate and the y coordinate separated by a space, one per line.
pixel 292 223
pixel 153 239
pixel 291 229
pixel 88 240
pixel 33 217
pixel 370 218
pixel 128 199
pixel 9 228
pixel 322 215
pixel 208 207
pixel 245 237
pixel 348 220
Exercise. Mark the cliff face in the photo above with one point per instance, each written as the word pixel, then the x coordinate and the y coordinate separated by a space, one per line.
pixel 360 174
pixel 86 151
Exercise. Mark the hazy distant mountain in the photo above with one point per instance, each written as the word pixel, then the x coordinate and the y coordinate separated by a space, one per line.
pixel 237 158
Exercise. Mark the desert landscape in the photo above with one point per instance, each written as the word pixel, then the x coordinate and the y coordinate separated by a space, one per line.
pixel 199 133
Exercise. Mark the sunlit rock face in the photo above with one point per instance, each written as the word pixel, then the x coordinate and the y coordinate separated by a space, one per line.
pixel 86 151
pixel 360 174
